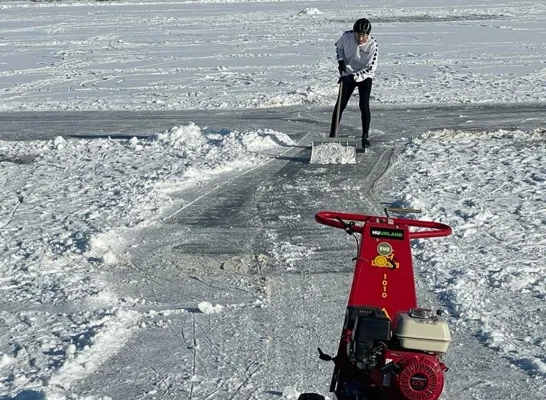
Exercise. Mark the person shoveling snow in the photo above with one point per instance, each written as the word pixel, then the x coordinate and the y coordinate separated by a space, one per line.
pixel 357 54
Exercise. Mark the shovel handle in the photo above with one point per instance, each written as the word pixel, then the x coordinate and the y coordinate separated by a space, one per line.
pixel 338 106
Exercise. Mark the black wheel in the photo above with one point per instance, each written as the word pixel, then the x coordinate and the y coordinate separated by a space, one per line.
pixel 310 396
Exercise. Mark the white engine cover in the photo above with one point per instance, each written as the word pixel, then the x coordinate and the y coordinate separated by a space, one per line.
pixel 418 330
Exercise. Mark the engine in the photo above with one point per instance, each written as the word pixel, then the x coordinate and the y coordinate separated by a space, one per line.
pixel 410 375
pixel 368 329
pixel 401 361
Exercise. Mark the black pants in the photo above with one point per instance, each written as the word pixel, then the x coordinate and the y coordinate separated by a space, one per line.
pixel 364 90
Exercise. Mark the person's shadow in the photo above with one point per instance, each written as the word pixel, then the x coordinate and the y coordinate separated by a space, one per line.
pixel 26 395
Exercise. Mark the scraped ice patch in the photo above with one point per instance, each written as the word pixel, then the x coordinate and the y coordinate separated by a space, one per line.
pixel 245 263
pixel 333 153
pixel 207 308
pixel 288 254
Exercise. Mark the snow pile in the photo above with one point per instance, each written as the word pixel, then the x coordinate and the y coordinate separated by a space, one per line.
pixel 214 152
pixel 491 188
pixel 109 247
pixel 189 139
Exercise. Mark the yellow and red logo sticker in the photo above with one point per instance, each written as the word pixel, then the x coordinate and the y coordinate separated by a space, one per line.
pixel 385 258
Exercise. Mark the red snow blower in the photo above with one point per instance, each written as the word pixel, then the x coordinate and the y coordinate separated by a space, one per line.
pixel 390 348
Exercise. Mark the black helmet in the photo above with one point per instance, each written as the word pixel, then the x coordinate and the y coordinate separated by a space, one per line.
pixel 362 26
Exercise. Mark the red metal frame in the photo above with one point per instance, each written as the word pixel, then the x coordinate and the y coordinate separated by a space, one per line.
pixel 383 274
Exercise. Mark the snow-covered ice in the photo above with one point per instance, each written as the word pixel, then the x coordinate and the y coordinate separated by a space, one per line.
pixel 69 207
pixel 224 54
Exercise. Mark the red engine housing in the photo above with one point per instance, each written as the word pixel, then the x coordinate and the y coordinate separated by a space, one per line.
pixel 412 376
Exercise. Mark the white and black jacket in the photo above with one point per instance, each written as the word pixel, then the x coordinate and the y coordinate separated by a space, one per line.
pixel 360 60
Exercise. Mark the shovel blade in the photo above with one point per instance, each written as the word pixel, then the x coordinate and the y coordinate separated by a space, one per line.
pixel 333 151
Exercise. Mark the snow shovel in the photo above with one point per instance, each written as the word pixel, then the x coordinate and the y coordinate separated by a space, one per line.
pixel 334 150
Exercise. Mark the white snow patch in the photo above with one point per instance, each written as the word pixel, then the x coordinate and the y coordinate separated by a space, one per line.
pixel 6 360
pixel 310 11
pixel 333 153
pixel 116 330
pixel 489 186
pixel 207 308
pixel 290 393
pixel 110 247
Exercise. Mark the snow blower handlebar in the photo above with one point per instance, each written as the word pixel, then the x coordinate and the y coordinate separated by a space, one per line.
pixel 338 220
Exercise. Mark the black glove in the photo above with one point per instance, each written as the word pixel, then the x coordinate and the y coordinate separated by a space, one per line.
pixel 341 66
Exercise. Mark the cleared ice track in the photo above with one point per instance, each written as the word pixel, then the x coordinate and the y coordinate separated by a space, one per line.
pixel 250 243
